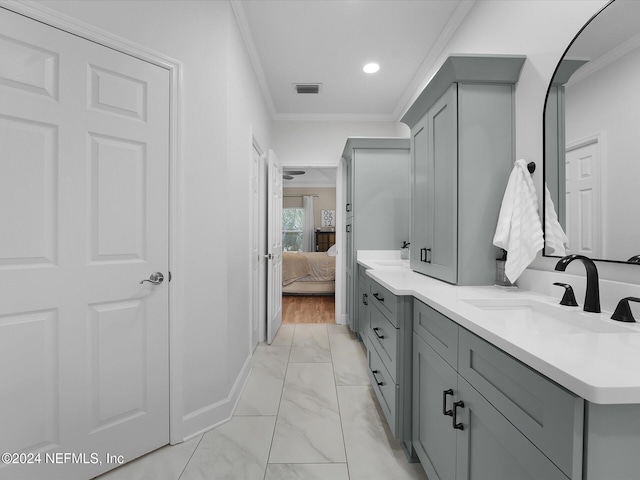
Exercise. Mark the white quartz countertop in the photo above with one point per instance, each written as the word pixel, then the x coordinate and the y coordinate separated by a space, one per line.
pixel 602 366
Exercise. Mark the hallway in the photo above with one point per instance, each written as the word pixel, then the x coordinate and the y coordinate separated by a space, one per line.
pixel 308 309
pixel 306 412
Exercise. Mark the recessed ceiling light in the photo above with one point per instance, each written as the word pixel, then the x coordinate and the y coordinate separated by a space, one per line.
pixel 371 68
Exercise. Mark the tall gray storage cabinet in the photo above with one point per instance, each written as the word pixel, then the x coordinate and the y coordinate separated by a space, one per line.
pixel 462 152
pixel 377 204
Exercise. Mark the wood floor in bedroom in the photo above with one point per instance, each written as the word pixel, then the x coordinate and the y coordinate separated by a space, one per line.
pixel 308 309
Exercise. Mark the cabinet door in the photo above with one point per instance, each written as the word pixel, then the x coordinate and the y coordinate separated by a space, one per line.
pixel 419 176
pixel 363 307
pixel 489 447
pixel 434 438
pixel 442 188
pixel 350 273
pixel 349 204
pixel 380 198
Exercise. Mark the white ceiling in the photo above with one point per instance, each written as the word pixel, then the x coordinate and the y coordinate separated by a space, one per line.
pixel 313 177
pixel 329 41
pixel 610 29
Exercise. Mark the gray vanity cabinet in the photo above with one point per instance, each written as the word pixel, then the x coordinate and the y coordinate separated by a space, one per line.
pixel 387 337
pixel 362 300
pixel 434 187
pixel 377 204
pixel 462 152
pixel 479 413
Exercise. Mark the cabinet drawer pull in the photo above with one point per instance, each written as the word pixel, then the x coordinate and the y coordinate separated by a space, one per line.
pixel 348 228
pixel 348 207
pixel 375 330
pixel 376 378
pixel 457 426
pixel 446 412
pixel 364 298
pixel 379 297
pixel 423 254
pixel 427 255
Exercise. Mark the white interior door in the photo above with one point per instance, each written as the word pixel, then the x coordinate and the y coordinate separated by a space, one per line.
pixel 255 246
pixel 84 215
pixel 583 200
pixel 274 247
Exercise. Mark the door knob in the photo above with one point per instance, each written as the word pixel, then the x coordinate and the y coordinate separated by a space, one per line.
pixel 156 278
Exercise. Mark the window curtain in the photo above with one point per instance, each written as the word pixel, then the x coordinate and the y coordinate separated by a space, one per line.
pixel 308 240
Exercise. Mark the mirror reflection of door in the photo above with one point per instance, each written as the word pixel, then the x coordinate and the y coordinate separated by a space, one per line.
pixel 594 94
pixel 583 226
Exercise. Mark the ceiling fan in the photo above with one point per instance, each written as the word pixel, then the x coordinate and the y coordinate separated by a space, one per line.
pixel 289 174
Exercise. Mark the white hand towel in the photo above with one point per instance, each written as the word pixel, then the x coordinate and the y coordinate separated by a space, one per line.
pixel 554 236
pixel 519 230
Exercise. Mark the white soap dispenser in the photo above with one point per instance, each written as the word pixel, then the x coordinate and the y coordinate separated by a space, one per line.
pixel 404 251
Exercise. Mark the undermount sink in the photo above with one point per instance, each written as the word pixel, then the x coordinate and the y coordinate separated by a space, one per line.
pixel 531 316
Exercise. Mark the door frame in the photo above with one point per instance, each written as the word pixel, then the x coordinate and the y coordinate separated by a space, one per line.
pixel 81 29
pixel 258 227
pixel 340 186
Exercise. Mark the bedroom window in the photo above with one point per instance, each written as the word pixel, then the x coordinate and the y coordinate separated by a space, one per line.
pixel 292 226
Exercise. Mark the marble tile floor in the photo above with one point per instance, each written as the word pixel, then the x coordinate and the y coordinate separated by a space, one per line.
pixel 307 412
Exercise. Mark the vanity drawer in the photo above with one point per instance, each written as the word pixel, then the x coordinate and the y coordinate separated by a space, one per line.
pixel 384 338
pixel 547 414
pixel 440 332
pixel 386 301
pixel 384 387
pixel 362 275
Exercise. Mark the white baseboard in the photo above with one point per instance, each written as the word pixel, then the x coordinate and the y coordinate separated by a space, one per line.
pixel 212 416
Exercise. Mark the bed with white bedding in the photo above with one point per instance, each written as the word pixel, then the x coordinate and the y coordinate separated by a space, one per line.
pixel 308 273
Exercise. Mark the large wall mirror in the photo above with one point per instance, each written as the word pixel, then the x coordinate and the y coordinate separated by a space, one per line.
pixel 592 137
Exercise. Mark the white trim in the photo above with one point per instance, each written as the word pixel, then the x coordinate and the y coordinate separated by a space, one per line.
pixel 212 412
pixel 245 31
pixel 255 216
pixel 335 117
pixel 592 67
pixel 71 25
pixel 420 79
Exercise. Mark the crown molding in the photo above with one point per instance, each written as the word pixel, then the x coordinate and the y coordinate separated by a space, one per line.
pixel 334 117
pixel 592 67
pixel 245 31
pixel 420 79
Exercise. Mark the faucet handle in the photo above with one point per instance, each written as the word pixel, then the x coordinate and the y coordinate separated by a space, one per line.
pixel 568 299
pixel 623 310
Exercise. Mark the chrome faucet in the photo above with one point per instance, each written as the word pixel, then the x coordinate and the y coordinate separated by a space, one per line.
pixel 592 297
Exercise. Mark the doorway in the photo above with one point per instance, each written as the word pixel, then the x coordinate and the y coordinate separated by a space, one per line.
pixel 309 239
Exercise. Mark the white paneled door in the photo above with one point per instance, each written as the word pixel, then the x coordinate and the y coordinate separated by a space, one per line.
pixel 274 247
pixel 83 219
pixel 583 200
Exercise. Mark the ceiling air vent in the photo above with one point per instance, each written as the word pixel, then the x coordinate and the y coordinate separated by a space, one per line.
pixel 307 88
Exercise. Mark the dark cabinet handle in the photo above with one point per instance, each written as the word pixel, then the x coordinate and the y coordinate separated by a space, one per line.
pixel 379 297
pixel 457 426
pixel 364 299
pixel 375 330
pixel 376 378
pixel 446 412
pixel 423 254
pixel 348 228
pixel 427 255
pixel 348 207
